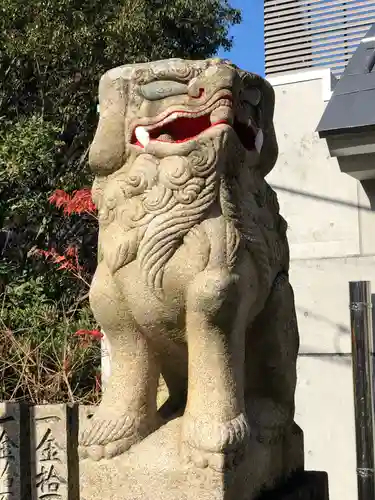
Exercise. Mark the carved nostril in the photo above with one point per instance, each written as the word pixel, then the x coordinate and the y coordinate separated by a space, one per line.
pixel 194 90
pixel 198 94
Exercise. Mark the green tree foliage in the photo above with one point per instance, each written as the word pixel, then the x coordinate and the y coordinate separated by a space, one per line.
pixel 52 54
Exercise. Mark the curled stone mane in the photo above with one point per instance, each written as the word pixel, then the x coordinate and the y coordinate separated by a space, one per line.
pixel 164 200
pixel 166 231
pixel 191 186
pixel 244 194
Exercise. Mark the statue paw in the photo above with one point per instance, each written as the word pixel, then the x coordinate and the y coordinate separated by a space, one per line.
pixel 110 450
pixel 107 438
pixel 218 462
pixel 220 446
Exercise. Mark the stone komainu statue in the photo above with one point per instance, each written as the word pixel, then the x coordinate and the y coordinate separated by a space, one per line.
pixel 192 277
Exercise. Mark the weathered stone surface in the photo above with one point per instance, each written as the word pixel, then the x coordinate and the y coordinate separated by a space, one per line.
pixel 10 459
pixel 85 412
pixel 152 470
pixel 192 284
pixel 49 452
pixel 105 361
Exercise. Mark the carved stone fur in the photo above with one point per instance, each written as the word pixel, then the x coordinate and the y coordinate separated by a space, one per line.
pixel 192 280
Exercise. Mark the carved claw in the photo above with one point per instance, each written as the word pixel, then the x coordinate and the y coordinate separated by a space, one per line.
pixel 218 462
pixel 109 438
pixel 99 452
pixel 220 446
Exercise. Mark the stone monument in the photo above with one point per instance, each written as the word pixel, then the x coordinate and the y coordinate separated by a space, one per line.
pixel 191 286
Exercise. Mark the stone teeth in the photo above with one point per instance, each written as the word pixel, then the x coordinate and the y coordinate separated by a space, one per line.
pixel 142 136
pixel 259 140
pixel 165 138
pixel 221 113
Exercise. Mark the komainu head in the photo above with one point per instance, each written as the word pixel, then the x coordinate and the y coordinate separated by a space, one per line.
pixel 177 140
pixel 174 107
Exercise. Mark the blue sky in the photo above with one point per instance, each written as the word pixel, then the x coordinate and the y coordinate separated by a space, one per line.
pixel 248 37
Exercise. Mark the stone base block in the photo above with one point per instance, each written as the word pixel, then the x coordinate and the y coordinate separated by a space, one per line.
pixel 152 470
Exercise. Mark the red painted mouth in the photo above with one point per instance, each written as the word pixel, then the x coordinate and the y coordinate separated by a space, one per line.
pixel 186 127
pixel 180 130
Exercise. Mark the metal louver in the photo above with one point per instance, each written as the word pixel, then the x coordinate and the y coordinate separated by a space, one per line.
pixel 302 34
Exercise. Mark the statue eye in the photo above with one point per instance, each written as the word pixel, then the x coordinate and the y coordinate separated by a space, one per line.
pixel 160 89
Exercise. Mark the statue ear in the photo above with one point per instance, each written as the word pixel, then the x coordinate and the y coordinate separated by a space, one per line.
pixel 259 92
pixel 252 95
pixel 107 149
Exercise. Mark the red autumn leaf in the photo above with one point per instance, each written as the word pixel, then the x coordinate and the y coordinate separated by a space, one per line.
pixel 68 261
pixel 98 385
pixel 59 198
pixel 71 251
pixel 80 202
pixel 48 254
pixel 58 258
pixel 39 251
pixel 66 265
pixel 96 334
pixel 91 333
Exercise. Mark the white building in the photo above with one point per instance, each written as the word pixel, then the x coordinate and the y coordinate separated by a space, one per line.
pixel 331 218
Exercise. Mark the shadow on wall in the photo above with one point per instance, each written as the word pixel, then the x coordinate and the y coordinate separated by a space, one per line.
pixel 370 188
pixel 338 357
pixel 341 329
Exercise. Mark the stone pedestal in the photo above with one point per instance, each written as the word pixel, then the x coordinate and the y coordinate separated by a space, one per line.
pixel 152 470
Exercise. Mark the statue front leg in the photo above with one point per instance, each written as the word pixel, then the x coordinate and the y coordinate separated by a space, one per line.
pixel 215 427
pixel 127 412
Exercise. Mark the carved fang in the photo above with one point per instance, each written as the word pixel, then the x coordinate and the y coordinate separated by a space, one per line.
pixel 142 136
pixel 259 141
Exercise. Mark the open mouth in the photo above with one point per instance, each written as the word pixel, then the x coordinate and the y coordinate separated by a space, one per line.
pixel 181 129
pixel 183 126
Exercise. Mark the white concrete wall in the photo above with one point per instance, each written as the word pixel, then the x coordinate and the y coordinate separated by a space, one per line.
pixel 332 241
